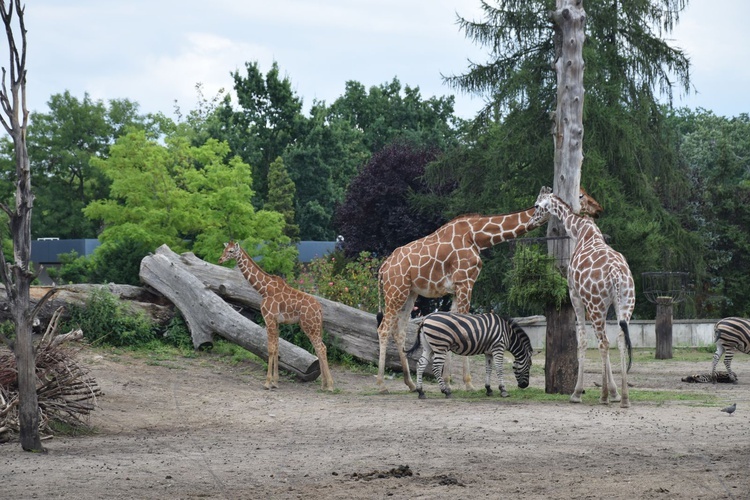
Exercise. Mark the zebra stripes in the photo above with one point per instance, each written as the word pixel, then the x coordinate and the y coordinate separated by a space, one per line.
pixel 468 335
pixel 730 335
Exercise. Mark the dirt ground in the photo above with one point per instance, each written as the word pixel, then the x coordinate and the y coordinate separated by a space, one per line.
pixel 202 428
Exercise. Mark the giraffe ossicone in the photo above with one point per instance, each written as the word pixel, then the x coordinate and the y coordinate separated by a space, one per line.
pixel 446 262
pixel 282 304
pixel 598 277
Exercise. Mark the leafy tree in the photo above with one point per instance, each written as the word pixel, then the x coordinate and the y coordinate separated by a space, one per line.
pixel 716 153
pixel 269 118
pixel 625 144
pixel 378 214
pixel 384 115
pixel 61 144
pixel 187 197
pixel 322 163
pixel 281 191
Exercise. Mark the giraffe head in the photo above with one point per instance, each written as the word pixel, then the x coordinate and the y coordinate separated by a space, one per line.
pixel 231 251
pixel 540 216
pixel 589 206
pixel 542 203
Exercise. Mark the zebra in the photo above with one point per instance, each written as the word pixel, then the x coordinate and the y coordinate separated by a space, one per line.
pixel 730 334
pixel 468 335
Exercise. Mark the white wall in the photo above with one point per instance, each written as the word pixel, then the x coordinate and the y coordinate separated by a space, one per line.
pixel 685 333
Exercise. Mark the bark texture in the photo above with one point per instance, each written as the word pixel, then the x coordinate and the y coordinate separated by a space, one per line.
pixel 569 22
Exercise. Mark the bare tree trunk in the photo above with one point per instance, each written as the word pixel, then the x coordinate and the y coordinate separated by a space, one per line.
pixel 569 20
pixel 561 361
pixel 17 276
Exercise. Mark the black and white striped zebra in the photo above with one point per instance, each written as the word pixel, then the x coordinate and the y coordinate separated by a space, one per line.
pixel 730 335
pixel 469 335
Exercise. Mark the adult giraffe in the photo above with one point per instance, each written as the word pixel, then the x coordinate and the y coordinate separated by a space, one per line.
pixel 446 262
pixel 282 304
pixel 598 277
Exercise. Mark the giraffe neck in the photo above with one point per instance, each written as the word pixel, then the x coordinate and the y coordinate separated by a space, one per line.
pixel 490 230
pixel 252 272
pixel 577 226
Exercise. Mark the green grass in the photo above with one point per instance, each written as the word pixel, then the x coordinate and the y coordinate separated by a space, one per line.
pixel 590 397
pixel 648 355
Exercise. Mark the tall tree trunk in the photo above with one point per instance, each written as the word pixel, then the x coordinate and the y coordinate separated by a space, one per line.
pixel 569 21
pixel 17 276
pixel 561 360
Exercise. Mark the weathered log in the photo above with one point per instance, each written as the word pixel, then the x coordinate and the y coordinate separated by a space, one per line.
pixel 352 330
pixel 207 314
pixel 138 299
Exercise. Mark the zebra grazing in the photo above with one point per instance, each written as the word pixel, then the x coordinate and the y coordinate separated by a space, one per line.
pixel 468 335
pixel 730 334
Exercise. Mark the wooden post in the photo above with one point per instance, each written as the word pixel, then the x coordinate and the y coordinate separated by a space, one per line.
pixel 663 328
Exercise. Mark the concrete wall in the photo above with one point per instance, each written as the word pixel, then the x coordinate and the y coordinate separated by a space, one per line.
pixel 685 333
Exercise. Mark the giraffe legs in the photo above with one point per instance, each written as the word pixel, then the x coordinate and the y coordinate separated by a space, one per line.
pixel 322 353
pixel 625 401
pixel 272 377
pixel 394 325
pixel 582 344
pixel 461 304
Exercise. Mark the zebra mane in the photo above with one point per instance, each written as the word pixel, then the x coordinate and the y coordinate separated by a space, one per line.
pixel 520 345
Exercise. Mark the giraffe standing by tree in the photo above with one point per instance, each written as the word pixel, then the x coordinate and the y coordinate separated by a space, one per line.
pixel 445 262
pixel 598 277
pixel 282 304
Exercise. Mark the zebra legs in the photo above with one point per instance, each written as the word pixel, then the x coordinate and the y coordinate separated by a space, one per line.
pixel 497 360
pixel 728 355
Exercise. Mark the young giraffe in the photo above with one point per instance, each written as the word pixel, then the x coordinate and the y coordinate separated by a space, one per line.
pixel 282 304
pixel 598 277
pixel 447 261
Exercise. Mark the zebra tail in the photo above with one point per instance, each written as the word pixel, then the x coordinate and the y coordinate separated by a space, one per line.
pixel 628 344
pixel 418 341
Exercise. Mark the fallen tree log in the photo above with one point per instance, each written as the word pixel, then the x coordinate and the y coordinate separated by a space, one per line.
pixel 136 298
pixel 352 330
pixel 207 314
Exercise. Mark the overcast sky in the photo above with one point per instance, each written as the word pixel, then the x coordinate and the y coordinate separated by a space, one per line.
pixel 155 51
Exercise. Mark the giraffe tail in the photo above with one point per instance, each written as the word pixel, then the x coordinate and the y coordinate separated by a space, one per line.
pixel 628 344
pixel 379 316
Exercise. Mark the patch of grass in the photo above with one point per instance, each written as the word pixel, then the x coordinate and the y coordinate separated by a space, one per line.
pixel 590 397
pixel 65 429
pixel 648 355
pixel 234 353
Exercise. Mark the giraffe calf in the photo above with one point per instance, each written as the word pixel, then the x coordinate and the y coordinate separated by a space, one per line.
pixel 282 304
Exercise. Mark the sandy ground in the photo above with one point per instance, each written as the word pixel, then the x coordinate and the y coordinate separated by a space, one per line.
pixel 202 428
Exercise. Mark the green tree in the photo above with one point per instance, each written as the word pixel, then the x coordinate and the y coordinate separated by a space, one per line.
pixel 267 118
pixel 61 145
pixel 716 153
pixel 322 163
pixel 281 191
pixel 628 64
pixel 388 112
pixel 191 198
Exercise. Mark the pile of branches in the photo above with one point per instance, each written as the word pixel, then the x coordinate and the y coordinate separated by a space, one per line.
pixel 66 393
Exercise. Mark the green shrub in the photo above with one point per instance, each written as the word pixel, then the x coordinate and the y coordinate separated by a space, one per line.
pixel 535 281
pixel 353 282
pixel 105 320
pixel 177 334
